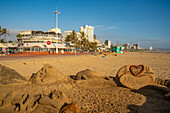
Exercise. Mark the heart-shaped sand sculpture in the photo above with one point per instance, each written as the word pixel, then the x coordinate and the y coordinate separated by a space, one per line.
pixel 133 82
pixel 136 70
pixel 135 77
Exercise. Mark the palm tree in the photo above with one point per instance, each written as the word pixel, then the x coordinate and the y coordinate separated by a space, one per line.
pixel 4 31
pixel 0 33
pixel 93 45
pixel 2 41
pixel 84 41
pixel 82 35
pixel 0 30
pixel 73 39
pixel 19 37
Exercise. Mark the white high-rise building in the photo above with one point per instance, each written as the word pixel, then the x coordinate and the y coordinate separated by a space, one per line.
pixel 108 43
pixel 89 32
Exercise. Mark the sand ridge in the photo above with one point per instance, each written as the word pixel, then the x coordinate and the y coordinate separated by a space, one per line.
pixel 48 75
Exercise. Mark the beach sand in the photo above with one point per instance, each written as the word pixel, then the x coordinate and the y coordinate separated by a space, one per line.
pixel 89 98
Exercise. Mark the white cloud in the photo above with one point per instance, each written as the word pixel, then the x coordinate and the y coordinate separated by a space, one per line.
pixel 99 25
pixel 111 27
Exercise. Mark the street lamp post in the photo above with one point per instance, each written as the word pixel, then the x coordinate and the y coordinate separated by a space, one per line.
pixel 56 12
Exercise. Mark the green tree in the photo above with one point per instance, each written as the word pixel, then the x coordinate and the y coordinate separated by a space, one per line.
pixel 19 36
pixel 10 41
pixel 84 42
pixel 93 45
pixel 83 36
pixel 2 41
pixel 3 31
pixel 0 30
pixel 73 39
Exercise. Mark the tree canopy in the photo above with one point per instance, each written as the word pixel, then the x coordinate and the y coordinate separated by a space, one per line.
pixel 82 43
pixel 3 31
pixel 72 37
pixel 19 36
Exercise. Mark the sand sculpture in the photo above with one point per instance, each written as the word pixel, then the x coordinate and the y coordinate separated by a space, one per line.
pixel 135 77
pixel 10 76
pixel 34 103
pixel 87 74
pixel 51 103
pixel 48 75
pixel 33 98
pixel 94 79
pixel 29 98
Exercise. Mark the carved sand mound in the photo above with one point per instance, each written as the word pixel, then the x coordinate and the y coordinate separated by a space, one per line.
pixel 96 82
pixel 32 103
pixel 93 79
pixel 86 74
pixel 48 75
pixel 51 103
pixel 10 76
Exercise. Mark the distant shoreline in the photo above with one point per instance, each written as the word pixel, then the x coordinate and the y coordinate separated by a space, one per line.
pixel 157 51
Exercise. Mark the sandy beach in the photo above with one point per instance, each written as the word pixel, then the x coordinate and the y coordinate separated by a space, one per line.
pixel 108 66
pixel 90 97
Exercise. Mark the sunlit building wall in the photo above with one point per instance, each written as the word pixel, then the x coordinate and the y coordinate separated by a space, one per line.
pixel 89 32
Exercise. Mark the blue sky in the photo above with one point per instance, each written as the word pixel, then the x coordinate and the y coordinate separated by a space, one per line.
pixel 146 22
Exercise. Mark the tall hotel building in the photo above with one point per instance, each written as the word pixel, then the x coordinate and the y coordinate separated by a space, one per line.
pixel 89 32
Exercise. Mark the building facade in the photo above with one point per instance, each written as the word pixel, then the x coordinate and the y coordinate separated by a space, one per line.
pixel 127 46
pixel 56 30
pixel 89 32
pixel 40 41
pixel 136 46
pixel 108 43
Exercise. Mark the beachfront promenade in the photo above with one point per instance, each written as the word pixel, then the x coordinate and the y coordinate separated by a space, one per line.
pixel 24 55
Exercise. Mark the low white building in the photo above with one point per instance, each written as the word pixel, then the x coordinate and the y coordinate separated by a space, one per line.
pixel 40 41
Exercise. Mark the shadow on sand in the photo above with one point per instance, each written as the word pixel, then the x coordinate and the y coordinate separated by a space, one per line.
pixel 156 102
